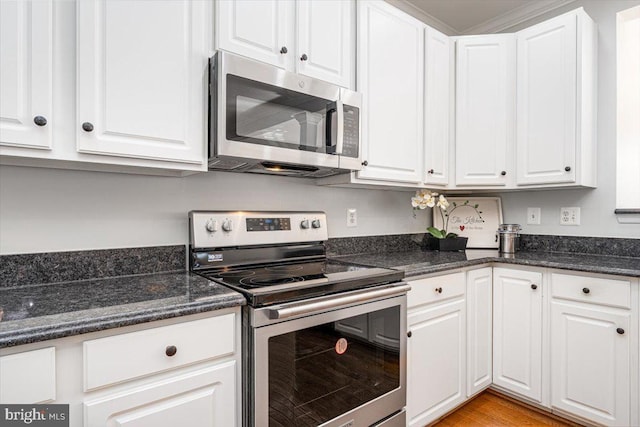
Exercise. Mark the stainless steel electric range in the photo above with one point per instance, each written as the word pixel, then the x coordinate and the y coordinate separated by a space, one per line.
pixel 324 342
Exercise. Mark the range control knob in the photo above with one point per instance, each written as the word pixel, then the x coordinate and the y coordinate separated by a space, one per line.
pixel 212 225
pixel 227 225
pixel 315 223
pixel 304 224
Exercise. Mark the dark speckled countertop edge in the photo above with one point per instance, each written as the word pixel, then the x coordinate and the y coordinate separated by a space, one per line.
pixel 62 330
pixel 553 260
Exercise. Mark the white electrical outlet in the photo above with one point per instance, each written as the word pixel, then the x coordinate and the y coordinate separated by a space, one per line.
pixel 570 216
pixel 533 216
pixel 352 217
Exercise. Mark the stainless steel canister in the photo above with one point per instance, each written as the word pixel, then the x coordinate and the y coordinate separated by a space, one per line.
pixel 509 238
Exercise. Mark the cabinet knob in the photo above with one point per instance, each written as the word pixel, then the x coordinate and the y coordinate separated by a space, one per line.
pixel 503 173
pixel 304 57
pixel 284 50
pixel 365 163
pixel 620 331
pixel 430 171
pixel 534 286
pixel 87 127
pixel 40 120
pixel 171 350
pixel 438 290
pixel 586 290
pixel 409 334
pixel 567 168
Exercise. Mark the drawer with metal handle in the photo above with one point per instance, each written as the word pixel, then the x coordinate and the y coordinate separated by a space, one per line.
pixel 124 357
pixel 434 289
pixel 594 290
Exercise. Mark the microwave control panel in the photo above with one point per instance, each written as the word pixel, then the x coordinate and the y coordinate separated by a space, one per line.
pixel 351 131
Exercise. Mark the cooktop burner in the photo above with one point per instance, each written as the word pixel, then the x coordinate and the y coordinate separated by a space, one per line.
pixel 274 275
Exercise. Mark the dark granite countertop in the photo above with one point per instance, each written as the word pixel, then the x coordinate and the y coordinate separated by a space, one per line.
pixel 419 262
pixel 41 312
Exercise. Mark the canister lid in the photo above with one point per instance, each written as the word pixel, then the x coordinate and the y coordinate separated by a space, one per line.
pixel 509 228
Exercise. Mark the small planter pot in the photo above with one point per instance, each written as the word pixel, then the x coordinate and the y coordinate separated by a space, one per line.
pixel 450 244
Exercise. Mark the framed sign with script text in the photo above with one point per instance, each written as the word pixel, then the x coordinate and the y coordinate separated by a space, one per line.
pixel 476 218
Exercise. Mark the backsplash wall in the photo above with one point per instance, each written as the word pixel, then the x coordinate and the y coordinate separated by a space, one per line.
pixel 61 210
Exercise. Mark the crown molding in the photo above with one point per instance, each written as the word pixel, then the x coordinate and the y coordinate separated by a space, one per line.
pixel 420 14
pixel 516 16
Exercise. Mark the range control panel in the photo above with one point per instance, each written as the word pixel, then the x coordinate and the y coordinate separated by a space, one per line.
pixel 210 229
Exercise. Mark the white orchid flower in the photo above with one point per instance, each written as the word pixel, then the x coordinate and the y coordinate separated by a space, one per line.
pixel 443 203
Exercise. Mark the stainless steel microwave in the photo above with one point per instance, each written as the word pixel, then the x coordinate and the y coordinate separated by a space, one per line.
pixel 267 120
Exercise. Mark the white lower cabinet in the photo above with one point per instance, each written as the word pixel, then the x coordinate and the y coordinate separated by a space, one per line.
pixel 565 341
pixel 172 372
pixel 28 377
pixel 436 348
pixel 479 330
pixel 517 331
pixel 201 398
pixel 591 349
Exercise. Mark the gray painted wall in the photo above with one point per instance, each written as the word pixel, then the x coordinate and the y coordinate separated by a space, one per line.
pixel 57 210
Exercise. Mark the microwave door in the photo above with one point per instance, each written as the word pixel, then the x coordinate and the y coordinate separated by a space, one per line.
pixel 272 123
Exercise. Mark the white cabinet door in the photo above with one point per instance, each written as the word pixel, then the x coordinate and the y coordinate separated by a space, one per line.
pixel 258 29
pixel 590 362
pixel 546 128
pixel 517 331
pixel 437 104
pixel 142 68
pixel 479 330
pixel 390 77
pixel 204 398
pixel 26 38
pixel 485 101
pixel 326 40
pixel 435 361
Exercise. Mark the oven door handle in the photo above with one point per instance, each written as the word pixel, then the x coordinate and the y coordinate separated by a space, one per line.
pixel 297 309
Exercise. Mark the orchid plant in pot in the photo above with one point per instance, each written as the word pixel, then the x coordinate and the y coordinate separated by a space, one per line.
pixel 441 239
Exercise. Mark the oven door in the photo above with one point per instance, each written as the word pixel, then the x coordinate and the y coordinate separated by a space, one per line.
pixel 345 366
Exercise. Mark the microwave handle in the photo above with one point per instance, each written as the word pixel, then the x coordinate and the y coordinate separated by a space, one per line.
pixel 339 127
pixel 336 108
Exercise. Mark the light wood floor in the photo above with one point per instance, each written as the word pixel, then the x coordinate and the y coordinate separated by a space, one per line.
pixel 490 409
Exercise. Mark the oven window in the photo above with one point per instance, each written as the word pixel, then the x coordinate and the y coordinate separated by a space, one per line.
pixel 259 113
pixel 319 373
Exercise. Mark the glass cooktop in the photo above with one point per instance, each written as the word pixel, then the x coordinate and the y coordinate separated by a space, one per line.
pixel 270 284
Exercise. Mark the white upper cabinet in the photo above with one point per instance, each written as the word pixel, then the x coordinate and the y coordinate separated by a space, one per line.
pixel 390 78
pixel 258 29
pixel 326 40
pixel 485 107
pixel 141 72
pixel 556 105
pixel 26 39
pixel 314 38
pixel 437 104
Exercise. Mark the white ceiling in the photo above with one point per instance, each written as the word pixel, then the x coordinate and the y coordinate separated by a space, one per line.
pixel 477 16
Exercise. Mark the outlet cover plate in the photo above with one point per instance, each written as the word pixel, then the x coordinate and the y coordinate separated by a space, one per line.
pixel 570 216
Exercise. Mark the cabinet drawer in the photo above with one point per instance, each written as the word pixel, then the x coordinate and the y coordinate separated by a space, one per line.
pixel 434 289
pixel 615 293
pixel 28 377
pixel 127 356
